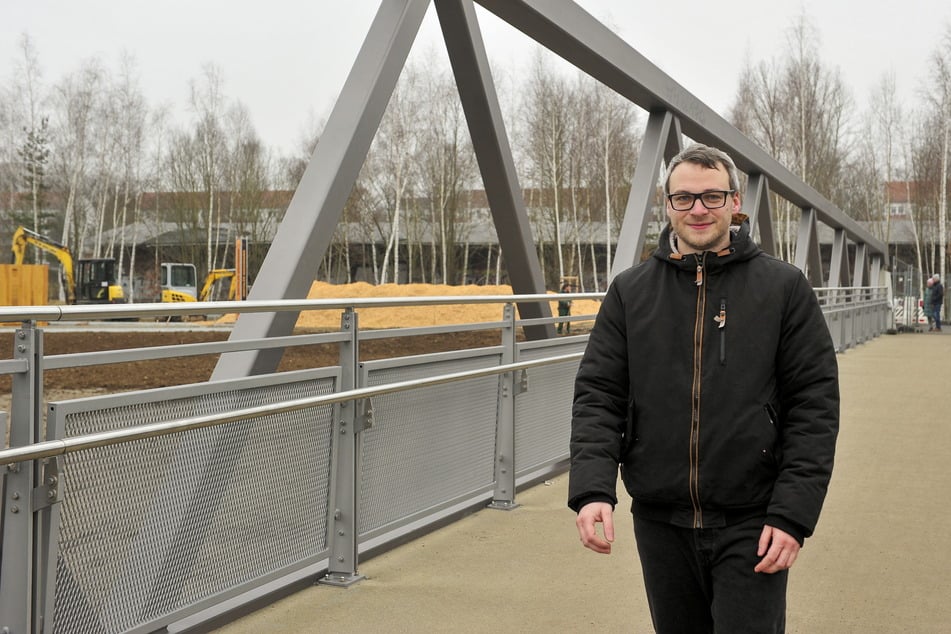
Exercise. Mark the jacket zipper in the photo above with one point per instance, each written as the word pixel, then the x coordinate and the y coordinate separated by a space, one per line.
pixel 721 325
pixel 695 396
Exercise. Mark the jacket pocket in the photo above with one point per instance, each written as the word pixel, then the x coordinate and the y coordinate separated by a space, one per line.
pixel 774 450
pixel 627 437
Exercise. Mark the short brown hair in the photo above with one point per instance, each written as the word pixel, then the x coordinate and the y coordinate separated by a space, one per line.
pixel 709 157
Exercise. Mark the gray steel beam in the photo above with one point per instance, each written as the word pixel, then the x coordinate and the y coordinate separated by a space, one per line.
pixel 839 264
pixel 756 205
pixel 807 248
pixel 875 269
pixel 860 272
pixel 470 66
pixel 288 270
pixel 662 140
pixel 569 31
pixel 308 226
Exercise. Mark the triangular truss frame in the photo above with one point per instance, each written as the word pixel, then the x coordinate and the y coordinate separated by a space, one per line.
pixel 567 30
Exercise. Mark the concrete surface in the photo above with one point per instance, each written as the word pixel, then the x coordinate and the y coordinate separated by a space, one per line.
pixel 879 561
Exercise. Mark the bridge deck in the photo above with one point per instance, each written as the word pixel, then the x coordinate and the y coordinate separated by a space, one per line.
pixel 878 562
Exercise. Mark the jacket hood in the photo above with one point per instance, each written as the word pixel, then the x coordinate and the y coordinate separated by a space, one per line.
pixel 741 246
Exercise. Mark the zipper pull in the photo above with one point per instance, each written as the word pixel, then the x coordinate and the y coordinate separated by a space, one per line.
pixel 721 318
pixel 699 281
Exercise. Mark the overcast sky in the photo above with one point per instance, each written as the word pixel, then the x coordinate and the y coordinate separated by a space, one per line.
pixel 286 60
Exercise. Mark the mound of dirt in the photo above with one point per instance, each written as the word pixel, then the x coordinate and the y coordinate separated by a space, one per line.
pixel 410 316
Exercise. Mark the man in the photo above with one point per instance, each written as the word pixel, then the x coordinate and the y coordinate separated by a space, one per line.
pixel 929 311
pixel 564 308
pixel 710 377
pixel 937 301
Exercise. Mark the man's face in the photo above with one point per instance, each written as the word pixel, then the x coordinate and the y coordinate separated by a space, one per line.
pixel 700 229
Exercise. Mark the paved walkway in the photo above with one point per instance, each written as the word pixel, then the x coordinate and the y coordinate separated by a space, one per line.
pixel 880 560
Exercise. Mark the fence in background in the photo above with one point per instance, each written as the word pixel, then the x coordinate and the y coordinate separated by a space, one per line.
pixel 164 508
pixel 24 284
pixel 909 313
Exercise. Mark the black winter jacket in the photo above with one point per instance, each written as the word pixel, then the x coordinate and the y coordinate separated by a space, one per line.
pixel 712 381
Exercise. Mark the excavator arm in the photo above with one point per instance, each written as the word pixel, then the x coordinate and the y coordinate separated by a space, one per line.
pixel 23 237
pixel 213 276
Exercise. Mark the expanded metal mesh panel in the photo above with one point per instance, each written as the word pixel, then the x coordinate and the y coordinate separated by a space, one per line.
pixel 154 525
pixel 543 413
pixel 427 446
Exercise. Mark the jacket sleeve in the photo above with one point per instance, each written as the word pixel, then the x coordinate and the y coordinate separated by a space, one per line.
pixel 807 377
pixel 599 411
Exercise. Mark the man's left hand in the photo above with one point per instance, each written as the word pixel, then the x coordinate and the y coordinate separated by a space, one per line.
pixel 778 550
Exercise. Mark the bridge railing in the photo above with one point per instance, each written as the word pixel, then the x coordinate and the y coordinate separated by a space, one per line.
pixel 855 315
pixel 138 510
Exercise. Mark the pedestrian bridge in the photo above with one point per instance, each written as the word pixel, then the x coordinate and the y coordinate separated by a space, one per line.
pixel 166 510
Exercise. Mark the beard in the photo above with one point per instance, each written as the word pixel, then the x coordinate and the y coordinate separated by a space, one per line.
pixel 701 244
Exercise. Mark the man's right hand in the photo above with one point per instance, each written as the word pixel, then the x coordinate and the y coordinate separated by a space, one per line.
pixel 588 518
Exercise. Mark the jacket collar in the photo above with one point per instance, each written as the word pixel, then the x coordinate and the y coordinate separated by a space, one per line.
pixel 741 246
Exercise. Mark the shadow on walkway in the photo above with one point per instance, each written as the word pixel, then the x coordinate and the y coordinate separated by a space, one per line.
pixel 879 561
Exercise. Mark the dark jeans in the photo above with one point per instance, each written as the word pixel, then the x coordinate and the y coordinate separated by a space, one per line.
pixel 564 311
pixel 702 580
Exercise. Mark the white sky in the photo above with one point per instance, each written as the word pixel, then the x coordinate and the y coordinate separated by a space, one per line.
pixel 287 60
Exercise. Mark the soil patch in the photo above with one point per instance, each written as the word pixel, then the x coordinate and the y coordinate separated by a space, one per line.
pixel 178 371
pixel 410 316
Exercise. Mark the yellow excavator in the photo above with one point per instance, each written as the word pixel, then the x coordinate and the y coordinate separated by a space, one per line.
pixel 88 280
pixel 179 283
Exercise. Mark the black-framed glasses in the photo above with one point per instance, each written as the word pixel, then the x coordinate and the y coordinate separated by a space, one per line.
pixel 683 201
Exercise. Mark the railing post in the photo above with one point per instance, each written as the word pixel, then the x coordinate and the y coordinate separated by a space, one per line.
pixel 504 496
pixel 18 579
pixel 344 467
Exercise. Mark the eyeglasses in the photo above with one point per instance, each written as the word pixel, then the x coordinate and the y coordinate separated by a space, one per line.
pixel 683 201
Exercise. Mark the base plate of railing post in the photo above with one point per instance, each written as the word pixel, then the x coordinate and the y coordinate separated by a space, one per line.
pixel 340 580
pixel 503 505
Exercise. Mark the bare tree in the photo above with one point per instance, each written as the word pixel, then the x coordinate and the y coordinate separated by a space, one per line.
pixel 291 168
pixel 448 170
pixel 548 116
pixel 610 159
pixel 34 152
pixel 130 127
pixel 797 109
pixel 389 168
pixel 76 98
pixel 940 98
pixel 888 129
pixel 103 179
pixel 246 177
pixel 865 191
pixel 34 156
pixel 926 168
pixel 819 105
pixel 908 151
pixel 208 105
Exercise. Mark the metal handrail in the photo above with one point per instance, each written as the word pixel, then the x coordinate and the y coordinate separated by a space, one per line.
pixel 158 309
pixel 51 448
pixel 851 296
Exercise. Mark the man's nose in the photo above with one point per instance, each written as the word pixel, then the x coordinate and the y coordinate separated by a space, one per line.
pixel 697 207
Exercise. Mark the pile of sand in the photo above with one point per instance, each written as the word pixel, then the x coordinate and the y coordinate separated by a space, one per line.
pixel 409 316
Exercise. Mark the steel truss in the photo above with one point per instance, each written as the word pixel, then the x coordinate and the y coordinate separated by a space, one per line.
pixel 567 30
